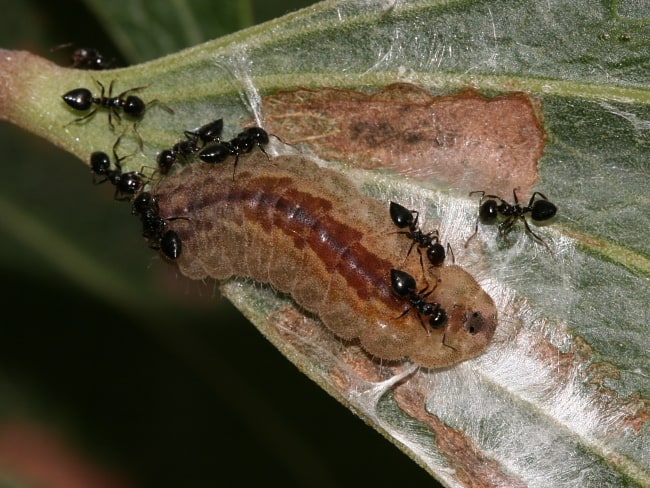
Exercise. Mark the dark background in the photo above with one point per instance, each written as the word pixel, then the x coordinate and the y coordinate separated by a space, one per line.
pixel 171 387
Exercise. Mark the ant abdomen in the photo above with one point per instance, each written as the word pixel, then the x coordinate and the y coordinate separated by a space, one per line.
pixel 542 210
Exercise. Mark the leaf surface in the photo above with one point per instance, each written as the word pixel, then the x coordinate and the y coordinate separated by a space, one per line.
pixel 560 398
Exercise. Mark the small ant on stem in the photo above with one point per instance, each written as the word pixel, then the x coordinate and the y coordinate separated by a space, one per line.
pixel 491 206
pixel 133 106
pixel 126 184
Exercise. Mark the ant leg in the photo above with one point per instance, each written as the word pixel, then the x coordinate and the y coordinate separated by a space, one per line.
pixel 121 95
pixel 473 233
pixel 421 266
pixel 425 295
pixel 450 251
pixel 103 90
pixel 535 236
pixel 278 138
pixel 506 225
pixel 117 159
pixel 532 198
pixel 514 194
pixel 140 141
pixel 412 244
pixel 403 313
pixel 155 101
pixel 111 112
pixel 494 197
pixel 80 119
pixel 447 345
pixel 264 151
pixel 234 167
pixel 480 202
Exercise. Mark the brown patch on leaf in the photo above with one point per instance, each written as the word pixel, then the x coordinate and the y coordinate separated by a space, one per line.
pixel 472 468
pixel 467 139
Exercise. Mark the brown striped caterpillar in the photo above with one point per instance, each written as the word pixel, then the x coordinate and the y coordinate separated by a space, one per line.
pixel 309 232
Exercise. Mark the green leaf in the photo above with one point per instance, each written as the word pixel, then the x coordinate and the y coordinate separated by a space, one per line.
pixel 560 398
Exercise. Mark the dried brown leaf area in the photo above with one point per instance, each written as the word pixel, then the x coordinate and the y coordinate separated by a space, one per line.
pixel 466 139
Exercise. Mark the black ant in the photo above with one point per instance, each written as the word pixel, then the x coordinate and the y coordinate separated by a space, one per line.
pixel 82 99
pixel 90 58
pixel 87 58
pixel 126 184
pixel 241 144
pixel 491 206
pixel 404 286
pixel 207 134
pixel 404 218
pixel 153 226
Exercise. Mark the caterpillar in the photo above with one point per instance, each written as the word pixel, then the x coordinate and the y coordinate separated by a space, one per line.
pixel 309 232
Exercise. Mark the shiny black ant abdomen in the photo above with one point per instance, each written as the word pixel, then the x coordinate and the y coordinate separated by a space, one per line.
pixel 493 206
pixel 171 245
pixel 242 143
pixel 404 286
pixel 206 134
pixel 168 242
pixel 408 219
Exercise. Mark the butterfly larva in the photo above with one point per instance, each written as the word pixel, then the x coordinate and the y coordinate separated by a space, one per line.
pixel 309 232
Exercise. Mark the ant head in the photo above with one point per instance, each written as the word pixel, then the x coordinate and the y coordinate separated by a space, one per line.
pixel 134 106
pixel 79 98
pixel 542 210
pixel 438 319
pixel 130 183
pixel 165 160
pixel 401 216
pixel 100 163
pixel 436 253
pixel 258 134
pixel 489 211
pixel 403 283
pixel 144 202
